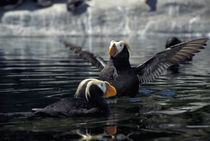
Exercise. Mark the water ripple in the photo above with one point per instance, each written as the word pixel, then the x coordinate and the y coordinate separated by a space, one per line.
pixel 35 73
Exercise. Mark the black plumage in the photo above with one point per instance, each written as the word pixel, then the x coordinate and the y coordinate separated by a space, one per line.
pixel 126 79
pixel 171 42
pixel 77 7
pixel 119 73
pixel 88 101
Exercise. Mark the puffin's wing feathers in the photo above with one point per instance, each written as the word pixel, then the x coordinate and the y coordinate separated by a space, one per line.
pixel 155 66
pixel 97 61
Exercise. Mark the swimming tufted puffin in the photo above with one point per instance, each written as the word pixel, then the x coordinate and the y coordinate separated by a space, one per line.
pixel 88 101
pixel 126 79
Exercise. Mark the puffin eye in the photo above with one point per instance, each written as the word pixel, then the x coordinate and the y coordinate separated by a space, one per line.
pixel 102 87
pixel 120 47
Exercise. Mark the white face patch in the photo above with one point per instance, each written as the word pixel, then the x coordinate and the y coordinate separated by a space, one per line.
pixel 119 46
pixel 103 87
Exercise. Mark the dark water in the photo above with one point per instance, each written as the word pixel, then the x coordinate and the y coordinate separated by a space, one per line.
pixel 35 72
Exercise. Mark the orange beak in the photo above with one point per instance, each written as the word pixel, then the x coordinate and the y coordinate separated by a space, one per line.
pixel 112 49
pixel 111 91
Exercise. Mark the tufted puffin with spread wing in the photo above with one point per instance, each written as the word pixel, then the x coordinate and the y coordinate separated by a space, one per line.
pixel 88 101
pixel 125 78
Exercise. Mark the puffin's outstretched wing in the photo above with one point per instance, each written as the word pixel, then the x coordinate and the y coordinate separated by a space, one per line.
pixel 97 61
pixel 155 66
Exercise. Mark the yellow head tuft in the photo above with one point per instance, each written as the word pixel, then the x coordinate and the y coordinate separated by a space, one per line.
pixel 126 44
pixel 108 90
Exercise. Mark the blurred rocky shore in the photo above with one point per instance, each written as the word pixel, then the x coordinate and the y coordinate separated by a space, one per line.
pixel 106 18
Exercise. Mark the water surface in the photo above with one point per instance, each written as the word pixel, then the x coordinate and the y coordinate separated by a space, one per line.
pixel 35 72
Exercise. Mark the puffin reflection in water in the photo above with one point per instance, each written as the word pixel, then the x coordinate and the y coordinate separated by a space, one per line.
pixel 88 101
pixel 126 78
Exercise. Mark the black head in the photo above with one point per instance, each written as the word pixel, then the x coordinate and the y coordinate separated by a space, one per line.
pixel 89 89
pixel 94 91
pixel 172 41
